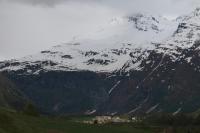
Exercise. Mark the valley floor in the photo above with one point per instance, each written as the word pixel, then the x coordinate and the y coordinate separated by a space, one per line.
pixel 15 122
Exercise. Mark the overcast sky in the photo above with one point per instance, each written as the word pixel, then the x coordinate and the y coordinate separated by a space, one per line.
pixel 28 26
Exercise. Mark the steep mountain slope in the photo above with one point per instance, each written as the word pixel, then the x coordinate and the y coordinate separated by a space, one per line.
pixel 138 64
pixel 9 96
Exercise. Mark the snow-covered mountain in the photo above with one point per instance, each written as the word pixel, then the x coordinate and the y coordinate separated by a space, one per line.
pixel 124 39
pixel 136 64
pixel 187 32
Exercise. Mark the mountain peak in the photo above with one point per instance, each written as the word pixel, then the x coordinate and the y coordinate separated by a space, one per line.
pixel 195 14
pixel 197 11
pixel 145 22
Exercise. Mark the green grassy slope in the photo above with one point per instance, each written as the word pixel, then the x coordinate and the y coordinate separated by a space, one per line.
pixel 17 122
pixel 13 122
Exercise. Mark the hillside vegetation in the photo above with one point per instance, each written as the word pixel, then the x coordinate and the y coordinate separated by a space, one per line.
pixel 10 97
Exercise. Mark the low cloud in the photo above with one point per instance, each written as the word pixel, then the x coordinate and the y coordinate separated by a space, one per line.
pixel 167 7
pixel 50 3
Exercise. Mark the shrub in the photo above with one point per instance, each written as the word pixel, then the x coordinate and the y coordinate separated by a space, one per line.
pixel 31 110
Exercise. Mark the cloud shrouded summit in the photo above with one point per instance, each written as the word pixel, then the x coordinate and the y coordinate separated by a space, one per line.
pixel 28 26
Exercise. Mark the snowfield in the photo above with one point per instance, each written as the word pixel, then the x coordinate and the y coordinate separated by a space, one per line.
pixel 122 44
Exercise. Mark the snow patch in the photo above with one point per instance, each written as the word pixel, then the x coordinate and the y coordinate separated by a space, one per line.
pixel 177 111
pixel 111 90
pixel 152 109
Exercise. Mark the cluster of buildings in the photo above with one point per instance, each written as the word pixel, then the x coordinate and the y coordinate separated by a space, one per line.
pixel 110 119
